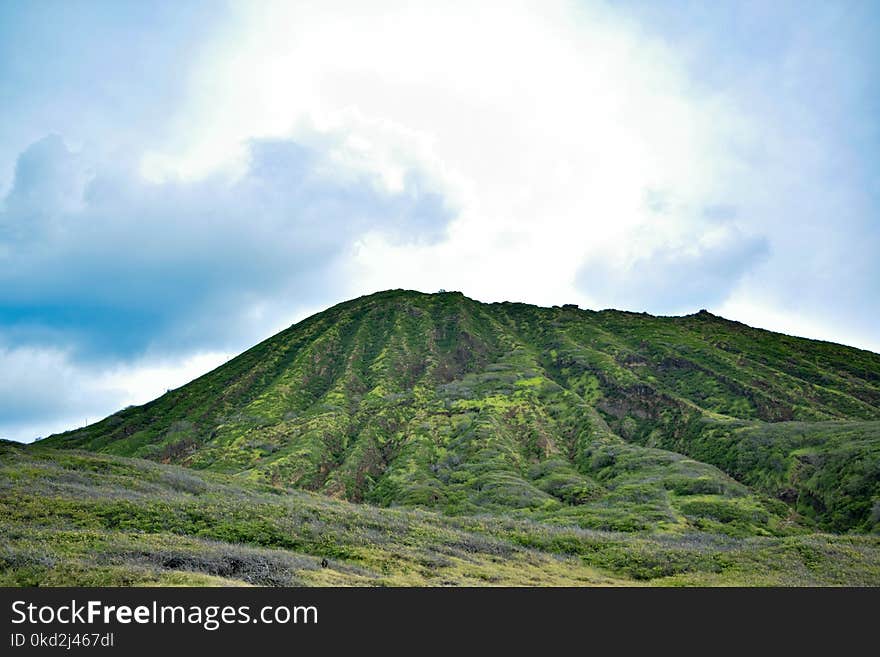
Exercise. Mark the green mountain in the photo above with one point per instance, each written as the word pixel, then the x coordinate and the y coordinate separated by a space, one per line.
pixel 420 439
pixel 609 421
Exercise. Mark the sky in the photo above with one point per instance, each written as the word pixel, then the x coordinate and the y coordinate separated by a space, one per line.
pixel 180 180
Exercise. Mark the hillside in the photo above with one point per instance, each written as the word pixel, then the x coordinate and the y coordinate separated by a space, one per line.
pixel 608 421
pixel 83 519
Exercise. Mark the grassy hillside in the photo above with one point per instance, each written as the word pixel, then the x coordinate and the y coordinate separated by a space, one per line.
pixel 606 421
pixel 75 518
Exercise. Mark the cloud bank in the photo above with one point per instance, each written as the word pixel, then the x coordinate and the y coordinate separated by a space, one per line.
pixel 106 264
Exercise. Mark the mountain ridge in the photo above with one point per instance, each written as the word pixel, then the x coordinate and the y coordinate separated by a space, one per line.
pixel 606 419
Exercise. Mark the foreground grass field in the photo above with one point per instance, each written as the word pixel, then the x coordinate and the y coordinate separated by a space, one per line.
pixel 76 518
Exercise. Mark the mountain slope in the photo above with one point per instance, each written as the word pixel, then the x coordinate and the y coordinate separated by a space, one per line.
pixel 84 519
pixel 606 420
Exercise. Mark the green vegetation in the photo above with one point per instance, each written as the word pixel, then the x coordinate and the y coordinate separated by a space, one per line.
pixel 683 449
pixel 75 518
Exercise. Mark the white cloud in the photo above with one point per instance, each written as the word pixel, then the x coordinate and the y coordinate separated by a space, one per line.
pixel 45 391
pixel 764 313
pixel 111 265
pixel 545 123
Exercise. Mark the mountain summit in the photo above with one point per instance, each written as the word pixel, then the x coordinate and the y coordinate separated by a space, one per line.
pixel 608 420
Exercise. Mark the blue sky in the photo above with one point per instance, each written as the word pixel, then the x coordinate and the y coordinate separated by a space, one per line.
pixel 181 180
